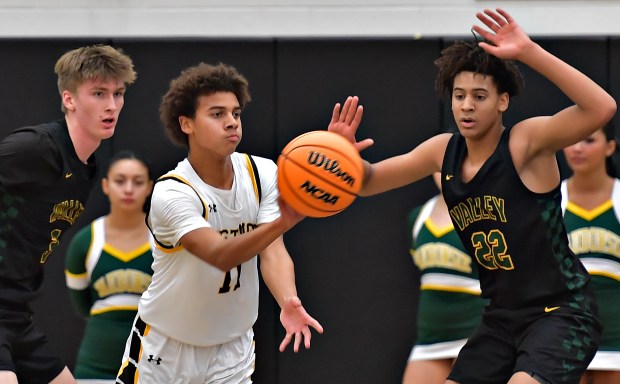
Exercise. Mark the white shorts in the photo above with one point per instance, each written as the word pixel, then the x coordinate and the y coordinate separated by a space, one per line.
pixel 437 351
pixel 152 357
pixel 605 361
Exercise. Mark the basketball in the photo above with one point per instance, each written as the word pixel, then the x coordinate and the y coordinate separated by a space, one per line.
pixel 319 173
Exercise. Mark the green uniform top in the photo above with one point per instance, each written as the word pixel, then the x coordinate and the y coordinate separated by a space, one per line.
pixel 105 285
pixel 450 306
pixel 594 235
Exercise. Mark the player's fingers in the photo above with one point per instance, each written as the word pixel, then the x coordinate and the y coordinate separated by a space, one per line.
pixel 316 325
pixel 486 21
pixel 345 109
pixel 506 16
pixel 307 337
pixel 497 18
pixel 285 342
pixel 352 110
pixel 297 342
pixel 357 118
pixel 361 145
pixel 483 32
pixel 492 49
pixel 335 113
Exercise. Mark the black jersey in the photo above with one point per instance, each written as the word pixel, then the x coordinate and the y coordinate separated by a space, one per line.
pixel 517 236
pixel 43 189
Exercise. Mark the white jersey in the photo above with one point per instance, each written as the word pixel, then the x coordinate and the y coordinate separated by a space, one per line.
pixel 188 299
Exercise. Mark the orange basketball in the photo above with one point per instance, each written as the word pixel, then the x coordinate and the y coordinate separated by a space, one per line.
pixel 319 173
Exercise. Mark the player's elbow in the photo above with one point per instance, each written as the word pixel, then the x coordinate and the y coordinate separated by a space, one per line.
pixel 223 263
pixel 207 251
pixel 217 259
pixel 608 110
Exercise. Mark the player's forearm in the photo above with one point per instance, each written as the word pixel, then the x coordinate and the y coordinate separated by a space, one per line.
pixel 278 273
pixel 368 173
pixel 227 253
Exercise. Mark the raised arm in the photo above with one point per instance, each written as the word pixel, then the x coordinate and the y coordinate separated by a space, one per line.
pixel 593 106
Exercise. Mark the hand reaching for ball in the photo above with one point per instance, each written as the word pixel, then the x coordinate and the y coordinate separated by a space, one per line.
pixel 347 119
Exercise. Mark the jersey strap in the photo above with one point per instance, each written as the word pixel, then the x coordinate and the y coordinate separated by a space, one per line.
pixel 253 170
pixel 171 176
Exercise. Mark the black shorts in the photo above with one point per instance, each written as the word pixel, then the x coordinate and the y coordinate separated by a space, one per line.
pixel 554 343
pixel 24 349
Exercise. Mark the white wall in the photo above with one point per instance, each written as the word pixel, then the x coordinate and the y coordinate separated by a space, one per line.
pixel 290 18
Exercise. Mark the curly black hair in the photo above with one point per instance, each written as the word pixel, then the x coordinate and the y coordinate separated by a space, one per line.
pixel 193 82
pixel 469 57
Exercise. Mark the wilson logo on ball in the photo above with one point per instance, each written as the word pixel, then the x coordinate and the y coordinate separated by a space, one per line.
pixel 331 166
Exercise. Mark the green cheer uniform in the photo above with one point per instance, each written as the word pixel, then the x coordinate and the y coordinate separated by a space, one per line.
pixel 105 286
pixel 450 306
pixel 594 235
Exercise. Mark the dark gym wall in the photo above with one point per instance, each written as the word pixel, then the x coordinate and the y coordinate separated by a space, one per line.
pixel 354 270
pixel 354 273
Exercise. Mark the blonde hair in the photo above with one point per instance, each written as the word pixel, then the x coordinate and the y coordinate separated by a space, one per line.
pixel 95 62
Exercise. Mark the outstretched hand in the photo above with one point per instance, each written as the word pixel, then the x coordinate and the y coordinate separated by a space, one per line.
pixel 297 322
pixel 345 122
pixel 507 38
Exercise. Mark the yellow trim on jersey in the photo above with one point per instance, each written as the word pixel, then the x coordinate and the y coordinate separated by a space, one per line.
pixel 248 164
pixel 117 308
pixel 184 181
pixel 172 249
pixel 169 250
pixel 604 274
pixel 591 214
pixel 435 229
pixel 126 256
pixel 123 366
pixel 432 287
pixel 76 275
